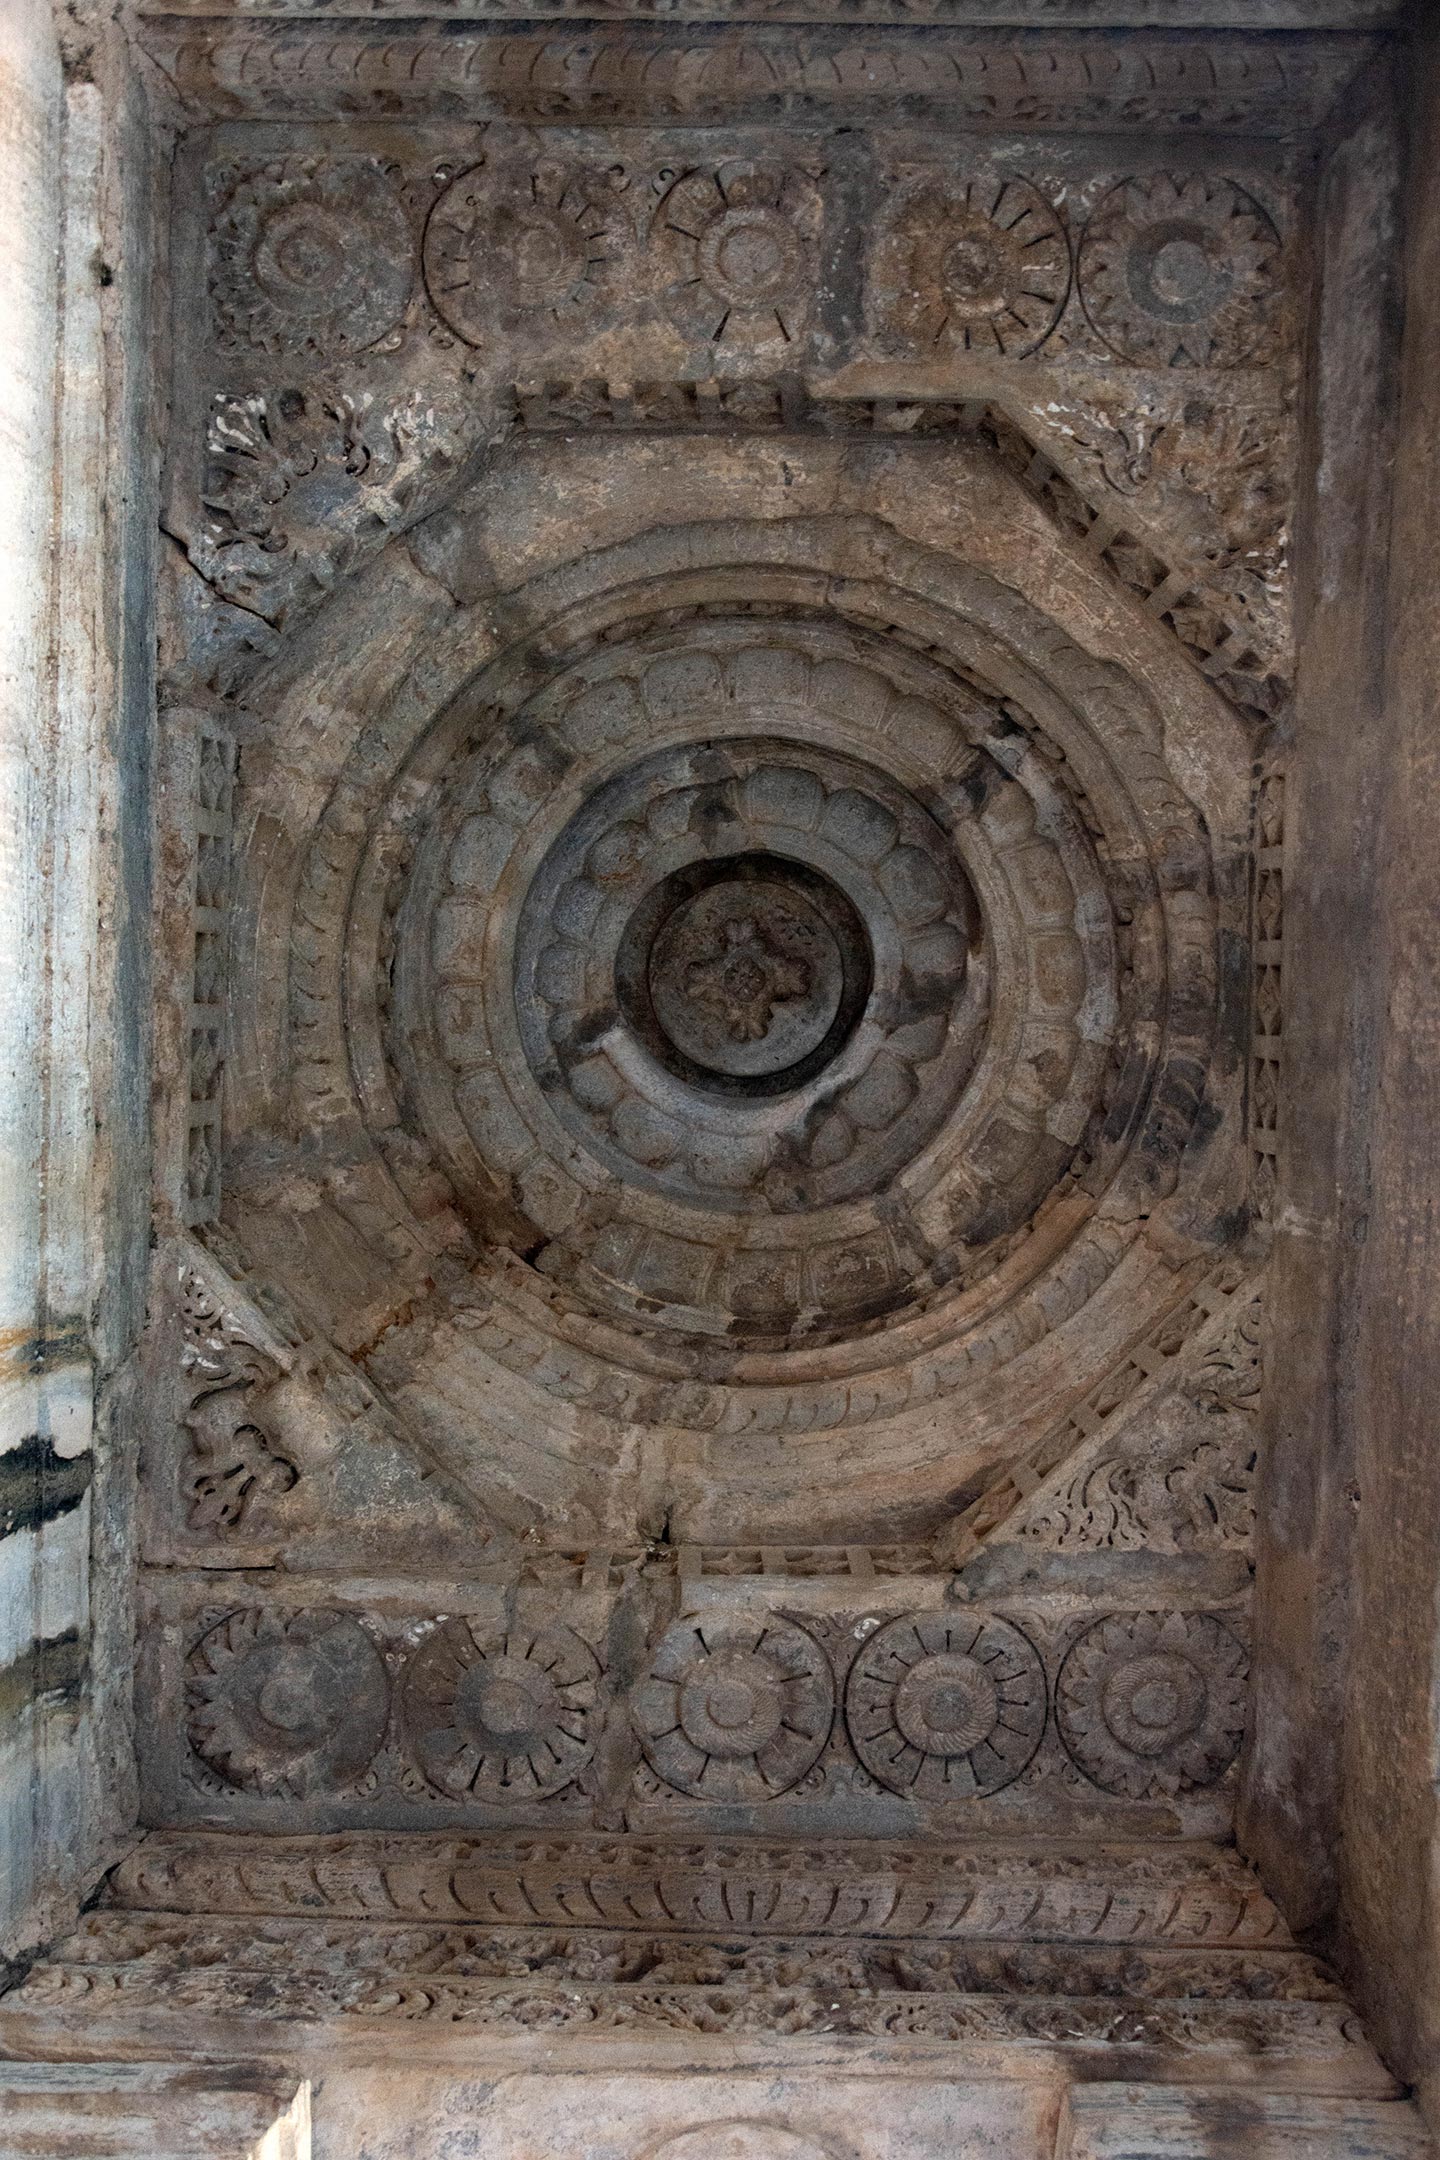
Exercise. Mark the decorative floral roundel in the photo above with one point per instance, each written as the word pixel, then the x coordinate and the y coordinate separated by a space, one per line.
pixel 737 1707
pixel 286 1702
pixel 1153 1703
pixel 941 1707
pixel 739 248
pixel 1181 272
pixel 309 255
pixel 980 265
pixel 499 249
pixel 501 1717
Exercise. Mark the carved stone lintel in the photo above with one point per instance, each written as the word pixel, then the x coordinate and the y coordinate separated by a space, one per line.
pixel 1155 1894
pixel 242 67
pixel 1008 1948
pixel 415 1951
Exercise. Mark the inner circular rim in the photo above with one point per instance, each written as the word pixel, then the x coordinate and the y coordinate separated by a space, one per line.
pixel 632 968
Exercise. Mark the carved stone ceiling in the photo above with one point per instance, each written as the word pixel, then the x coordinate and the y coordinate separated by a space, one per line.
pixel 726 656
pixel 726 643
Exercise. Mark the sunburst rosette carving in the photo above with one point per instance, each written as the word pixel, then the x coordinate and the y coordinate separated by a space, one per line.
pixel 1182 271
pixel 501 251
pixel 503 1716
pixel 979 265
pixel 286 1703
pixel 945 1707
pixel 739 250
pixel 737 1706
pixel 1153 1703
pixel 308 256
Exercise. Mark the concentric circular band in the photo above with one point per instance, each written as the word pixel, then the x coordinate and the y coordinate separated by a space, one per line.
pixel 708 1012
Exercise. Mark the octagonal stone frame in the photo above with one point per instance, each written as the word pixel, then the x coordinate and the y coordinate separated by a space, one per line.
pixel 937 541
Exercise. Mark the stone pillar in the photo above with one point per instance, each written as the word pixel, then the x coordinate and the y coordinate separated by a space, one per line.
pixel 45 1386
pixel 1390 1751
pixel 1333 762
pixel 73 906
pixel 1340 1807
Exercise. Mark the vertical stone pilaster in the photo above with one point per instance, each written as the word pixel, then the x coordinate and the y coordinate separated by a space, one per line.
pixel 1331 1021
pixel 1390 1821
pixel 45 1403
pixel 72 877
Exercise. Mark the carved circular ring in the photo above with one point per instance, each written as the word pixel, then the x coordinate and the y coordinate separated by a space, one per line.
pixel 739 2141
pixel 712 1018
pixel 753 889
pixel 737 1707
pixel 309 255
pixel 1153 1703
pixel 1181 272
pixel 777 1333
pixel 500 247
pixel 943 1707
pixel 293 1703
pixel 504 1717
pixel 980 265
pixel 738 246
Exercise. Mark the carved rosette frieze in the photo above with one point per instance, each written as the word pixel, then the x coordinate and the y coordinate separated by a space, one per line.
pixel 335 1713
pixel 503 1715
pixel 939 1706
pixel 1182 270
pixel 310 256
pixel 1153 1702
pixel 737 249
pixel 282 1703
pixel 979 265
pixel 737 1706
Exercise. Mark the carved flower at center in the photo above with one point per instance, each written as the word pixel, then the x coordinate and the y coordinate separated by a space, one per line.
pixel 743 981
pixel 750 972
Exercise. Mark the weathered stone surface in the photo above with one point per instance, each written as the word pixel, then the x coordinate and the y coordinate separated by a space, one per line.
pixel 153 2110
pixel 741 768
pixel 1387 1812
pixel 1028 1957
pixel 1122 2122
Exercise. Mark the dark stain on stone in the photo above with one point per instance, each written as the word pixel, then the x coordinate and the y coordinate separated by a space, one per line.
pixel 51 1670
pixel 37 1485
